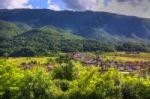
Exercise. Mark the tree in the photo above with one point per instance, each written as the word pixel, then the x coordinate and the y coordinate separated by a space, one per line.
pixel 25 52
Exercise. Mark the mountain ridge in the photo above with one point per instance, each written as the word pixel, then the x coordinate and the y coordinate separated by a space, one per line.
pixel 21 39
pixel 86 24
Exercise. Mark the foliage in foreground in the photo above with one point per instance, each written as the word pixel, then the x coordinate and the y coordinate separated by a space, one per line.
pixel 70 80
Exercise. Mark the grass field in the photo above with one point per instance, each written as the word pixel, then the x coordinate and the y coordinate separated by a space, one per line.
pixel 118 56
pixel 19 60
pixel 122 56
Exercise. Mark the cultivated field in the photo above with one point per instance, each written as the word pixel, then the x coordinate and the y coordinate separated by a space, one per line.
pixel 122 56
pixel 117 56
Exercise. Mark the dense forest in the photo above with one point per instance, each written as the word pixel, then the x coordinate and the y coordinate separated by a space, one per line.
pixel 102 26
pixel 19 39
pixel 38 32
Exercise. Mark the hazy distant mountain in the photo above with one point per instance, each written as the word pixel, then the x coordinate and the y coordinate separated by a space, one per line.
pixel 107 27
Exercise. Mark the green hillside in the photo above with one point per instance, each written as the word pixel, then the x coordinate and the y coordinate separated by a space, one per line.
pixel 9 29
pixel 58 33
pixel 40 32
pixel 102 26
pixel 47 39
pixel 42 41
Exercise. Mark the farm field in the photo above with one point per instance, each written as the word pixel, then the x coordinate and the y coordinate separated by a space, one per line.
pixel 19 60
pixel 117 56
pixel 122 56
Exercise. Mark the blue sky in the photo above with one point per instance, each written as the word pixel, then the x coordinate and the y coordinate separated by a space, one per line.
pixel 38 3
pixel 139 8
pixel 44 3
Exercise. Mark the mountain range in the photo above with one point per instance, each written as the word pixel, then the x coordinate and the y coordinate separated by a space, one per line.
pixel 101 26
pixel 29 32
pixel 93 25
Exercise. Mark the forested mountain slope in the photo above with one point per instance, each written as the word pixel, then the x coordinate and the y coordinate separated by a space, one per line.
pixel 96 25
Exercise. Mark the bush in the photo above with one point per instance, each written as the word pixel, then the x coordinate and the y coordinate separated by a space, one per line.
pixel 70 81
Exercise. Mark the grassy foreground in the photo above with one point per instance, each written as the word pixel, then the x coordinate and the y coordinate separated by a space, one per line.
pixel 68 79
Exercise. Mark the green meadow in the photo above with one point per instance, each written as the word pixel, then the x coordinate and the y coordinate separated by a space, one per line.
pixel 122 56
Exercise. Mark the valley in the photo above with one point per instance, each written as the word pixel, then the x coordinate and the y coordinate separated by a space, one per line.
pixel 46 54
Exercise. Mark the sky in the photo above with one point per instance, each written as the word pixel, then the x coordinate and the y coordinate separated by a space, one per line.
pixel 139 8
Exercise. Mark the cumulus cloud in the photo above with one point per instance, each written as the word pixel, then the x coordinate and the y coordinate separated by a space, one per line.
pixel 11 4
pixel 53 6
pixel 82 4
pixel 128 7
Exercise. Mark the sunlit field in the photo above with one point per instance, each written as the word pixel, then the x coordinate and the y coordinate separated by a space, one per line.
pixel 38 59
pixel 118 56
pixel 19 60
pixel 122 56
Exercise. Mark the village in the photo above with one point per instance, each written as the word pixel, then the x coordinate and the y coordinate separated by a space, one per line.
pixel 99 61
pixel 128 66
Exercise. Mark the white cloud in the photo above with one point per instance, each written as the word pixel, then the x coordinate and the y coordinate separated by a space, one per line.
pixel 11 4
pixel 141 8
pixel 53 6
pixel 128 7
pixel 82 4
